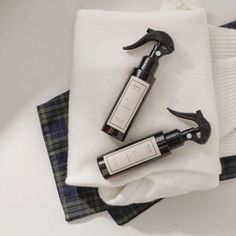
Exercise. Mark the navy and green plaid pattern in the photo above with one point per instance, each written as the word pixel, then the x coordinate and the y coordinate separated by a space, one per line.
pixel 231 25
pixel 78 202
pixel 228 165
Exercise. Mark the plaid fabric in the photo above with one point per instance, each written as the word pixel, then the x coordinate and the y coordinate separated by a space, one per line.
pixel 231 25
pixel 78 202
pixel 228 165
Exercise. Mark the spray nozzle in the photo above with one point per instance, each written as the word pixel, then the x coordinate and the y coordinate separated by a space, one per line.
pixel 165 44
pixel 199 134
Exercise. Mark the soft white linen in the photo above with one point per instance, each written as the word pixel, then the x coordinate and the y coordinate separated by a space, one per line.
pixel 184 83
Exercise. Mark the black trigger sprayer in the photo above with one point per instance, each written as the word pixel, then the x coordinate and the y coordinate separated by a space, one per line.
pixel 138 85
pixel 154 146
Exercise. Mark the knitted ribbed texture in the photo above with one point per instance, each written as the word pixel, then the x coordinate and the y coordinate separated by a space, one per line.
pixel 223 49
pixel 228 145
pixel 225 84
pixel 223 42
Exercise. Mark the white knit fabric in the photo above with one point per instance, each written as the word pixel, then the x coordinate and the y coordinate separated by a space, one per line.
pixel 223 51
pixel 227 144
pixel 184 82
pixel 223 47
pixel 225 84
pixel 223 42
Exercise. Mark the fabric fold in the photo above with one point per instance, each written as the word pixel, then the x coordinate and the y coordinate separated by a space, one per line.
pixel 99 74
pixel 53 119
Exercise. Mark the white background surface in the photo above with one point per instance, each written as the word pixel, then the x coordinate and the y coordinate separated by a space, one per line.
pixel 35 65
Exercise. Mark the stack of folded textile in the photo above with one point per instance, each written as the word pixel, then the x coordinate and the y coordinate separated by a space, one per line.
pixel 200 74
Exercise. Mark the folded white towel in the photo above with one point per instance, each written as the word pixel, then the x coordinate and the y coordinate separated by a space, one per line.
pixel 184 83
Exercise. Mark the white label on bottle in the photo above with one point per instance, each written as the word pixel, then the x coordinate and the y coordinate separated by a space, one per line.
pixel 128 104
pixel 131 155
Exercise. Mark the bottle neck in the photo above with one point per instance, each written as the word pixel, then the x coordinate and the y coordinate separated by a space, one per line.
pixel 168 141
pixel 150 63
pixel 174 139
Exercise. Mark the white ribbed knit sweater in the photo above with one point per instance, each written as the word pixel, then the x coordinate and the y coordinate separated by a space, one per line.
pixel 223 48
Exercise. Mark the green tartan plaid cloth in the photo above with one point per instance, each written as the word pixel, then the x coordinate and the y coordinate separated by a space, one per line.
pixel 78 202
